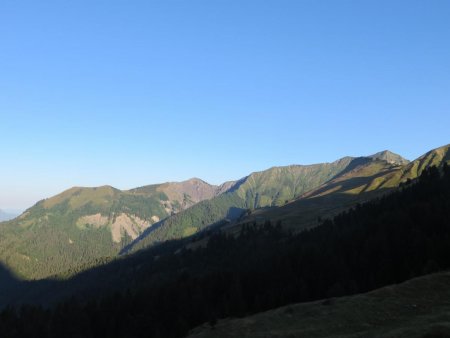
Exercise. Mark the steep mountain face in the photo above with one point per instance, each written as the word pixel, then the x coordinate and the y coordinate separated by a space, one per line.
pixel 82 225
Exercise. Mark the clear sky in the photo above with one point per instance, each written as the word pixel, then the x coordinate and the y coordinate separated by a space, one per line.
pixel 129 93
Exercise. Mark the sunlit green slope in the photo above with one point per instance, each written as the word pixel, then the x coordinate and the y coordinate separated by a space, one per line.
pixel 365 180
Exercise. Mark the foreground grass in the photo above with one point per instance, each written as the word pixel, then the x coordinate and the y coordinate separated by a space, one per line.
pixel 417 308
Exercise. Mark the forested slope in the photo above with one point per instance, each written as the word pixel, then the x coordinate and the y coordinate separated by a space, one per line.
pixel 83 227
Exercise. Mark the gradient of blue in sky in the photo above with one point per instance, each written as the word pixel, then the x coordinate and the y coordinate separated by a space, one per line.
pixel 129 93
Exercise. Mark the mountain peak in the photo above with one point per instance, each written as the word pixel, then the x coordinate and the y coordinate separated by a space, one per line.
pixel 196 180
pixel 390 157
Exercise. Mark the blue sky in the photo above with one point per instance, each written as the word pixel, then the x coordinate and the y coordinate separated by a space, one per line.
pixel 129 93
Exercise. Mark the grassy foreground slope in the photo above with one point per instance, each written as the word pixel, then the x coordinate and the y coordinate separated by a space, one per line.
pixel 418 308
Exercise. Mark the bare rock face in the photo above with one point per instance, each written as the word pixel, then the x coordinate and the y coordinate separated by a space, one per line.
pixel 121 225
pixel 188 192
pixel 130 225
pixel 192 191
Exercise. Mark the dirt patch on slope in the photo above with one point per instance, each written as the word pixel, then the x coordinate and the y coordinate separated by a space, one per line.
pixel 129 225
pixel 97 220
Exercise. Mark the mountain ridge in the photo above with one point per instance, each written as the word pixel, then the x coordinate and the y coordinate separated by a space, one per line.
pixel 81 225
pixel 390 157
pixel 271 188
pixel 362 182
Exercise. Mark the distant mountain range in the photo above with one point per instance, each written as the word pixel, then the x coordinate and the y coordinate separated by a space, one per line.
pixel 84 227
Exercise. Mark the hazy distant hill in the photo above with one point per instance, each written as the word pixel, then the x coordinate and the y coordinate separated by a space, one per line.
pixel 6 216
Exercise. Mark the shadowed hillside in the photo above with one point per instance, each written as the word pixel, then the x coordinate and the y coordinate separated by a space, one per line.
pixel 419 308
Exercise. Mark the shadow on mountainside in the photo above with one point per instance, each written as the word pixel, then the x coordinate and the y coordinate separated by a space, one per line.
pixel 347 185
pixel 95 282
pixel 355 163
pixel 325 202
pixel 10 285
pixel 334 186
pixel 15 290
pixel 232 214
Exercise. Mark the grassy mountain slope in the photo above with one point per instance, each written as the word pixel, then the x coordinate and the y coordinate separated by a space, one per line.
pixel 83 225
pixel 272 187
pixel 435 157
pixel 364 180
pixel 330 198
pixel 275 186
pixel 418 308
